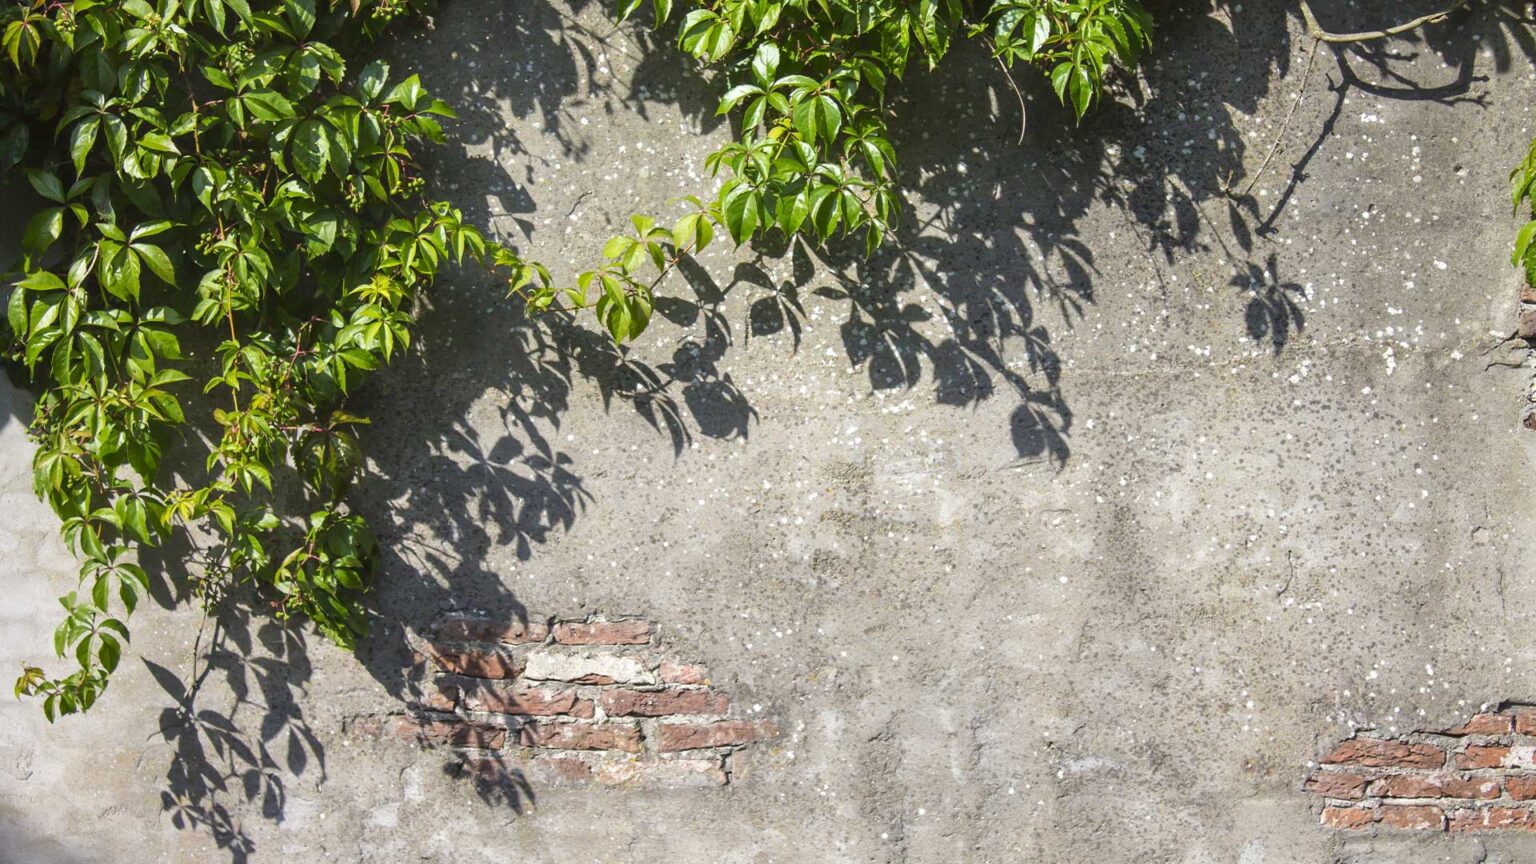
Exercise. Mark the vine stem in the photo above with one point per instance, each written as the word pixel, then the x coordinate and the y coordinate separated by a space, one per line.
pixel 1316 31
pixel 1017 94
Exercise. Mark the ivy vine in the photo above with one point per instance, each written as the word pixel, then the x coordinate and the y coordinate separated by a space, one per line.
pixel 234 234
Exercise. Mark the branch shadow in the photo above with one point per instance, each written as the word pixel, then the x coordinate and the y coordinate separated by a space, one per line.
pixel 969 301
pixel 1392 69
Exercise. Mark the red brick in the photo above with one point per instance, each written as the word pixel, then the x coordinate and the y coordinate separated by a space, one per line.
pixel 466 628
pixel 1525 722
pixel 364 726
pixel 1378 753
pixel 603 633
pixel 690 736
pixel 1520 788
pixel 662 774
pixel 1525 327
pixel 683 673
pixel 1331 785
pixel 477 660
pixel 1484 724
pixel 1413 817
pixel 1408 786
pixel 1492 819
pixel 657 703
pixel 558 771
pixel 444 699
pixel 582 736
pixel 506 697
pixel 439 730
pixel 1348 817
pixel 1482 756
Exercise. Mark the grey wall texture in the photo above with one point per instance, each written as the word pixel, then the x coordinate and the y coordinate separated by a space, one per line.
pixel 1077 526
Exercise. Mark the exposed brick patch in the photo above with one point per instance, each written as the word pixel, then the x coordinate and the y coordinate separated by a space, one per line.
pixel 673 737
pixel 476 660
pixel 588 668
pixel 685 673
pixel 658 703
pixel 513 697
pixel 1405 786
pixel 1492 819
pixel 1379 753
pixel 1475 776
pixel 559 770
pixel 631 632
pixel 1520 788
pixel 1332 785
pixel 442 699
pixel 474 628
pixel 1525 323
pixel 1482 756
pixel 575 702
pixel 668 773
pixel 582 736
pixel 1348 817
pixel 1412 817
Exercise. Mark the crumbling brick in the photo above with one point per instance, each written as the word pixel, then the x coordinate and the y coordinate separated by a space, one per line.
pixel 658 703
pixel 1381 753
pixel 630 632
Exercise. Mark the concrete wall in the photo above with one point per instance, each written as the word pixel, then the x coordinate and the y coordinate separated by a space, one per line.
pixel 1076 527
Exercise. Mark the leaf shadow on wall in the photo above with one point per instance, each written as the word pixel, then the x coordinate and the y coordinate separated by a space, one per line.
pixel 967 302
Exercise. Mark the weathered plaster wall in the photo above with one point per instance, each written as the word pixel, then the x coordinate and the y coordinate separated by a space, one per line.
pixel 1095 516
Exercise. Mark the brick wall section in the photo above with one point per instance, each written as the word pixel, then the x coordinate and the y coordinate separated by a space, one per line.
pixel 569 703
pixel 1525 328
pixel 1477 776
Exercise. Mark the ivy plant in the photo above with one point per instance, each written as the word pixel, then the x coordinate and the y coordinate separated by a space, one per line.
pixel 1522 182
pixel 233 234
pixel 214 173
pixel 806 83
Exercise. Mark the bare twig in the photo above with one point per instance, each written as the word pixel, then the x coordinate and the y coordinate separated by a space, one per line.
pixel 1023 112
pixel 1316 31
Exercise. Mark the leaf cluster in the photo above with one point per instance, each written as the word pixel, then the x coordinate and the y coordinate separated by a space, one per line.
pixel 231 237
pixel 807 83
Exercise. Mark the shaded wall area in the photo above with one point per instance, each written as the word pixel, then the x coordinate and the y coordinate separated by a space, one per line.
pixel 1077 524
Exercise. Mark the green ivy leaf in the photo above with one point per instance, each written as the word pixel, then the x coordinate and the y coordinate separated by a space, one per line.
pixel 370 82
pixel 311 150
pixel 740 208
pixel 158 262
pixel 818 116
pixel 301 16
pixel 81 139
pixel 268 105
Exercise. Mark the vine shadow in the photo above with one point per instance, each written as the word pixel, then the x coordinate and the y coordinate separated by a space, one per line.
pixel 218 766
pixel 1001 241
